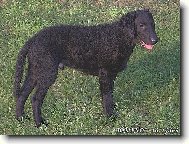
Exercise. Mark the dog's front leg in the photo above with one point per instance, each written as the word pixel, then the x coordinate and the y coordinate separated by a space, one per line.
pixel 106 80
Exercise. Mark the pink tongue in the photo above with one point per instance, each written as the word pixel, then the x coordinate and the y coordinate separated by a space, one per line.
pixel 147 46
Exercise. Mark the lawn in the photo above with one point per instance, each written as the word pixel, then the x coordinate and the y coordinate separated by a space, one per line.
pixel 147 93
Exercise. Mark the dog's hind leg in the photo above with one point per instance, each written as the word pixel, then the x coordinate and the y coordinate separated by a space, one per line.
pixel 37 101
pixel 46 76
pixel 26 89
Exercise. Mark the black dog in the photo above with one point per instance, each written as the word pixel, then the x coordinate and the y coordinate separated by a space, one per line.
pixel 101 50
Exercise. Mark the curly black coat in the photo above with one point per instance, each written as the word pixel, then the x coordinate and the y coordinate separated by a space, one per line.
pixel 101 50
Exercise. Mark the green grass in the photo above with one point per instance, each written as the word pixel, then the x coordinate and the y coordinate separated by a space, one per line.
pixel 147 94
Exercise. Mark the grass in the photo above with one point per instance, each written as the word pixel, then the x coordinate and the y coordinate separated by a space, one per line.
pixel 147 94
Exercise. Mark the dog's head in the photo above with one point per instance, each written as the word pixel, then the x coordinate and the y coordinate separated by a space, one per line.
pixel 141 26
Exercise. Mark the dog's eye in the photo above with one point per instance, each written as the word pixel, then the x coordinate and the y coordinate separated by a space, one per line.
pixel 142 25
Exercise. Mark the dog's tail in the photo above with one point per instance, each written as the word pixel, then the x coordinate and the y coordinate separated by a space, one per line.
pixel 19 69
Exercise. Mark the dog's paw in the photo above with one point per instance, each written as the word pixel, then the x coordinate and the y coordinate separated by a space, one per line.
pixel 22 117
pixel 43 122
pixel 61 66
pixel 114 115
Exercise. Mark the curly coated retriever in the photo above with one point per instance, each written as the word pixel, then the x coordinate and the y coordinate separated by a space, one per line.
pixel 102 50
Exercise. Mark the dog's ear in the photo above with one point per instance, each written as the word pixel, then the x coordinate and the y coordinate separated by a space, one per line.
pixel 128 23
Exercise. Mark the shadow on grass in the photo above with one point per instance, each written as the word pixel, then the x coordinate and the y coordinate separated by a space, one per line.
pixel 155 70
pixel 149 90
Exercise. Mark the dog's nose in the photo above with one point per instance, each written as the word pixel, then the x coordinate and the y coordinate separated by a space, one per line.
pixel 154 40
